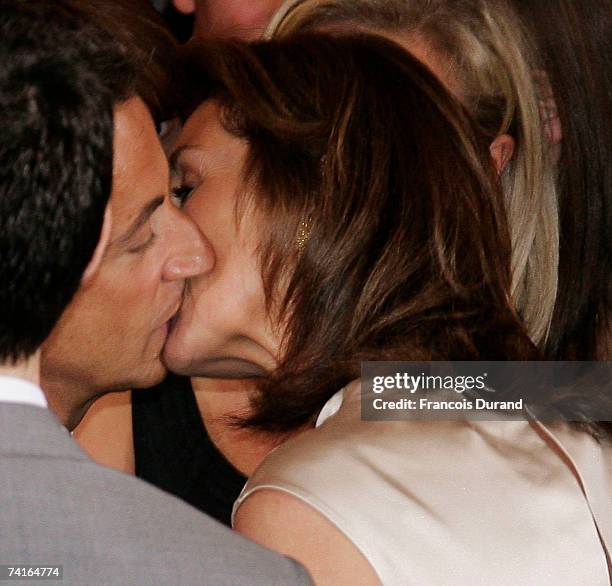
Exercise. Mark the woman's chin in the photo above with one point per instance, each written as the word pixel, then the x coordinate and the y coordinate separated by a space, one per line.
pixel 237 357
pixel 228 367
pixel 179 360
pixel 176 355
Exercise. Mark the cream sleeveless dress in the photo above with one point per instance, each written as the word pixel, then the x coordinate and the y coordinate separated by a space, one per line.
pixel 458 502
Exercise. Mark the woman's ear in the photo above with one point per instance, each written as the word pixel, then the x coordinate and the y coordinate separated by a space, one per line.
pixel 184 6
pixel 98 255
pixel 502 151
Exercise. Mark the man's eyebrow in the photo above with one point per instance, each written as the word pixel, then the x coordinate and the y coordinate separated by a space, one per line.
pixel 142 219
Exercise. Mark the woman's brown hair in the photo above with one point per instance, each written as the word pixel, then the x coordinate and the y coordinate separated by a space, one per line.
pixel 405 251
pixel 486 57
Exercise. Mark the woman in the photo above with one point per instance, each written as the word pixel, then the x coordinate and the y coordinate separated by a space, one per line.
pixel 481 42
pixel 478 51
pixel 346 229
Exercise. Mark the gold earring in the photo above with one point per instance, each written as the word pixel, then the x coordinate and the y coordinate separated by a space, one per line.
pixel 303 233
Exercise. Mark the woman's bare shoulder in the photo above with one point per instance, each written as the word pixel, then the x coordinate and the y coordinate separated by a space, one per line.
pixel 285 523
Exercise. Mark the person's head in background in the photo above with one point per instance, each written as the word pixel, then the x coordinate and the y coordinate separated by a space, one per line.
pixel 245 19
pixel 56 134
pixel 575 40
pixel 364 231
pixel 111 335
pixel 479 50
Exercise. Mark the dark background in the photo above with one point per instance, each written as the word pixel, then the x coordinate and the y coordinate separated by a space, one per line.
pixel 181 25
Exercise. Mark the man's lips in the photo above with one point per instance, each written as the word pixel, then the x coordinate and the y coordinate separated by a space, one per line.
pixel 186 299
pixel 177 305
pixel 172 321
pixel 172 314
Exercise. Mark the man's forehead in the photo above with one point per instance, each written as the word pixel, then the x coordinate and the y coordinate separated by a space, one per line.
pixel 136 144
pixel 140 168
pixel 130 133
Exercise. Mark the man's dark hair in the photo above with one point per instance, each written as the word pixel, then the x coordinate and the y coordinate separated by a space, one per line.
pixel 140 29
pixel 60 77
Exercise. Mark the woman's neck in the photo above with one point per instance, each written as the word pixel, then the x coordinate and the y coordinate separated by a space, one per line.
pixel 218 400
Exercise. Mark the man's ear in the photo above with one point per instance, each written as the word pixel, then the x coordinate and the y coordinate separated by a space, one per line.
pixel 184 6
pixel 502 151
pixel 98 255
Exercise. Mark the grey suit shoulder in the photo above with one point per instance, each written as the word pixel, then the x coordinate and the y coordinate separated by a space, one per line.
pixel 59 507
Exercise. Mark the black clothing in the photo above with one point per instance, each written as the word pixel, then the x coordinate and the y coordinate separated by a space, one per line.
pixel 173 451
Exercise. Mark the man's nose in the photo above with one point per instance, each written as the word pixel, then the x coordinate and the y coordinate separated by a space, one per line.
pixel 190 253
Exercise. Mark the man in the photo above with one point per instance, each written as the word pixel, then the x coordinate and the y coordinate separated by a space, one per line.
pixel 60 109
pixel 111 336
pixel 246 19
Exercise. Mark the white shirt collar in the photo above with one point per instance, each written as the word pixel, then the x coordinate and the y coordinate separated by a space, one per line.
pixel 18 390
pixel 331 407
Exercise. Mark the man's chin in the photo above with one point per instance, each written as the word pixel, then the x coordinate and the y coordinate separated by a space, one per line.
pixel 153 379
pixel 154 374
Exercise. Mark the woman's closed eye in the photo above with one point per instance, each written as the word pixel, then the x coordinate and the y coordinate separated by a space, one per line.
pixel 180 194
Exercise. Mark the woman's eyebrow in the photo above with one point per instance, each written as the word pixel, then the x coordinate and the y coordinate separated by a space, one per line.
pixel 178 154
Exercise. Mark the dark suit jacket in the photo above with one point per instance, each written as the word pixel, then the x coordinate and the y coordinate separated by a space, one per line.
pixel 57 507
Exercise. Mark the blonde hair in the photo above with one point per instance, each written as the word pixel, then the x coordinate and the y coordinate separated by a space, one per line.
pixel 492 64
